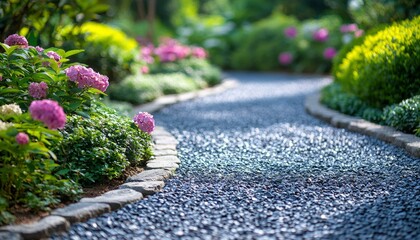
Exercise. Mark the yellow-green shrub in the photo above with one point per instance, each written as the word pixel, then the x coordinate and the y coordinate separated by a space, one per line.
pixel 383 69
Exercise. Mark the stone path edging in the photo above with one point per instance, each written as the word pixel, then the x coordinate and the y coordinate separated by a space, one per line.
pixel 148 182
pixel 162 166
pixel 409 142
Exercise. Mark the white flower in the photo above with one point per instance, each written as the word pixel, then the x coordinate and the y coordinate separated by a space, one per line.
pixel 5 125
pixel 10 109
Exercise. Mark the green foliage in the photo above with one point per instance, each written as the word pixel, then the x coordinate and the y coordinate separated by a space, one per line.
pixel 100 147
pixel 383 69
pixel 404 116
pixel 42 20
pixel 145 88
pixel 258 47
pixel 370 13
pixel 199 69
pixel 107 50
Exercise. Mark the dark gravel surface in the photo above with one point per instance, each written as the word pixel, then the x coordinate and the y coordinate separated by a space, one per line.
pixel 256 166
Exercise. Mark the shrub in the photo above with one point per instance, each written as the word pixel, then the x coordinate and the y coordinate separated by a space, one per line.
pixel 107 49
pixel 404 116
pixel 100 147
pixel 139 89
pixel 383 69
pixel 199 69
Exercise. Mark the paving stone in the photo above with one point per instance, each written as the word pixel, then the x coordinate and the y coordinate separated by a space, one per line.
pixel 161 165
pixel 150 175
pixel 171 146
pixel 166 100
pixel 80 212
pixel 169 159
pixel 146 188
pixel 186 96
pixel 341 121
pixel 165 152
pixel 413 148
pixel 165 140
pixel 10 236
pixel 116 198
pixel 41 229
pixel 404 139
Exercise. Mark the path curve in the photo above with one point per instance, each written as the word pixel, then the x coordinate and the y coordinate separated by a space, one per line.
pixel 256 166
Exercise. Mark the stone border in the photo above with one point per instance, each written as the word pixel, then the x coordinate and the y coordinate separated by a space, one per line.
pixel 409 142
pixel 166 100
pixel 161 167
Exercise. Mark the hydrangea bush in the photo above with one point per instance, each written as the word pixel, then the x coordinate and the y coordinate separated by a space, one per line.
pixel 40 90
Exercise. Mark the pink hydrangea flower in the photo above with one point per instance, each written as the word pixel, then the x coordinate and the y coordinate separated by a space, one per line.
pixel 16 39
pixel 345 28
pixel 170 50
pixel 290 32
pixel 329 53
pixel 320 35
pixel 86 77
pixel 49 112
pixel 145 122
pixel 39 49
pixel 144 69
pixel 198 52
pixel 147 54
pixel 358 33
pixel 54 56
pixel 38 90
pixel 285 58
pixel 22 138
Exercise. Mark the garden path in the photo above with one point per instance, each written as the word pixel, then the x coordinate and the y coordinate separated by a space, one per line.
pixel 256 166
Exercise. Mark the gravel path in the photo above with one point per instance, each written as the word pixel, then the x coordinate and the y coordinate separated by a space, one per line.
pixel 256 166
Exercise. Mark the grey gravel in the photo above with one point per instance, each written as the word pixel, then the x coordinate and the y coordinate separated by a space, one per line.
pixel 256 166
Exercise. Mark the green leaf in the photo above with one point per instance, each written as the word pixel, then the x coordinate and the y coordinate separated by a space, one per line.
pixel 62 172
pixel 73 52
pixel 83 114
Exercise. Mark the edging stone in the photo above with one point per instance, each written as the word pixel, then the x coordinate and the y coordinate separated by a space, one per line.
pixel 145 183
pixel 408 142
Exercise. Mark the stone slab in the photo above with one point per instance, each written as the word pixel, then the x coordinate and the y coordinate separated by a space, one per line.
pixel 413 148
pixel 82 211
pixel 168 159
pixel 161 165
pixel 41 229
pixel 150 175
pixel 145 188
pixel 165 152
pixel 116 198
pixel 171 146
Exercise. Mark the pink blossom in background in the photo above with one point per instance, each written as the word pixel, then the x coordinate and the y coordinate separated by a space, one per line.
pixel 39 49
pixel 145 122
pixel 49 112
pixel 147 54
pixel 345 28
pixel 38 90
pixel 170 50
pixel 198 52
pixel 85 77
pixel 329 53
pixel 290 32
pixel 320 35
pixel 22 138
pixel 285 58
pixel 144 69
pixel 1 78
pixel 54 56
pixel 16 39
pixel 358 33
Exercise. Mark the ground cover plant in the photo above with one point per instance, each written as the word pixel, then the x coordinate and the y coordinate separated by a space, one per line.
pixel 43 97
pixel 377 77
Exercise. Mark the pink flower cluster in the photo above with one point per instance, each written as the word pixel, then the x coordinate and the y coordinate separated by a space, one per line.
pixel 170 50
pixel 86 77
pixel 38 90
pixel 285 58
pixel 49 112
pixel 145 122
pixel 54 56
pixel 320 35
pixel 16 39
pixel 198 52
pixel 22 138
pixel 351 28
pixel 290 32
pixel 329 53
